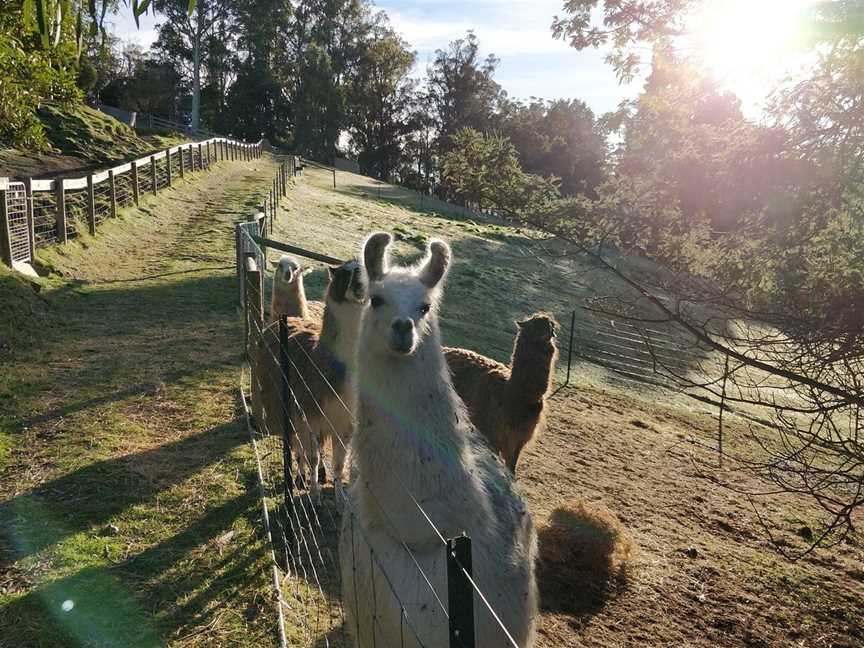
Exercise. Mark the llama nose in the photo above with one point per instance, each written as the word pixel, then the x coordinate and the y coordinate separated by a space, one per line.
pixel 402 326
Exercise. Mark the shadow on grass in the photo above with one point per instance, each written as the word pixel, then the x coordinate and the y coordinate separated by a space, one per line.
pixel 92 495
pixel 102 606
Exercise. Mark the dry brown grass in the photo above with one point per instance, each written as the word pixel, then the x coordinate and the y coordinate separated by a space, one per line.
pixel 586 555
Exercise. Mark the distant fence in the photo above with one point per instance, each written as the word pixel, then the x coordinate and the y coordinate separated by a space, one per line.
pixel 35 213
pixel 152 121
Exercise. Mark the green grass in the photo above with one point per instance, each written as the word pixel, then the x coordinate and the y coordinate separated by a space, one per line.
pixel 126 483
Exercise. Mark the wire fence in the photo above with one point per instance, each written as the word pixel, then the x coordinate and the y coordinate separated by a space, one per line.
pixel 294 404
pixel 37 213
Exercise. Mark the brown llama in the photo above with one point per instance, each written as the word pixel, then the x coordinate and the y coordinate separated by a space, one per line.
pixel 507 403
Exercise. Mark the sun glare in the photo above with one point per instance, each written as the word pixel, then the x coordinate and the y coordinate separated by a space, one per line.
pixel 749 45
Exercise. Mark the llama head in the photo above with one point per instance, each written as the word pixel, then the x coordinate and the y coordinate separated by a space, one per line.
pixel 539 328
pixel 287 270
pixel 403 300
pixel 346 284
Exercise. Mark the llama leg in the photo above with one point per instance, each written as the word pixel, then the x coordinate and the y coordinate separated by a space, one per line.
pixel 338 469
pixel 314 449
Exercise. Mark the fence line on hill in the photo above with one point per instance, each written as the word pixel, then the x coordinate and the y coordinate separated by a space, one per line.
pixel 35 213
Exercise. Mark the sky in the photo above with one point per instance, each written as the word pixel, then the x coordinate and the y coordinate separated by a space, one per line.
pixel 518 32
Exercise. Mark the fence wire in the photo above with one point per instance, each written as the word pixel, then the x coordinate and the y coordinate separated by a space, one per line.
pixel 306 535
pixel 102 201
pixel 145 179
pixel 44 217
pixel 123 189
pixel 76 211
pixel 161 173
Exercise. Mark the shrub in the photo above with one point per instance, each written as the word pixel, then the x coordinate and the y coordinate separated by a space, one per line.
pixel 29 79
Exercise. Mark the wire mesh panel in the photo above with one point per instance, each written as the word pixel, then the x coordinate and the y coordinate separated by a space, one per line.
pixel 102 200
pixel 175 164
pixel 161 173
pixel 44 217
pixel 123 189
pixel 76 211
pixel 345 576
pixel 145 178
pixel 19 229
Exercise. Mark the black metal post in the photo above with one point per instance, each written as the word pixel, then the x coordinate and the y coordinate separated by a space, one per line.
pixel 287 426
pixel 460 593
pixel 570 349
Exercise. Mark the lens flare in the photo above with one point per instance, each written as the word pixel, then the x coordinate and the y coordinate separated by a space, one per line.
pixel 750 45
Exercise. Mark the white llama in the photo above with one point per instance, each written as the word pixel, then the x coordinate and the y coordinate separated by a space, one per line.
pixel 288 296
pixel 414 440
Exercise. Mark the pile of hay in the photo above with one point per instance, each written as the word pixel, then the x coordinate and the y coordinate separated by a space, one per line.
pixel 585 555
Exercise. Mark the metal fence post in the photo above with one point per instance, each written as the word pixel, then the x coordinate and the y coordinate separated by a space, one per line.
pixel 5 232
pixel 112 192
pixel 91 205
pixel 287 425
pixel 153 174
pixel 460 593
pixel 334 178
pixel 570 348
pixel 31 226
pixel 60 218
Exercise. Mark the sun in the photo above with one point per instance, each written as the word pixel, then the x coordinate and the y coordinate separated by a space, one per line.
pixel 750 45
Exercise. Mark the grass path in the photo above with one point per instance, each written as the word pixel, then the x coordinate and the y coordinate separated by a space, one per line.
pixel 128 508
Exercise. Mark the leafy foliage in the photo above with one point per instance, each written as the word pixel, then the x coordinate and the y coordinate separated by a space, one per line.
pixel 483 170
pixel 31 76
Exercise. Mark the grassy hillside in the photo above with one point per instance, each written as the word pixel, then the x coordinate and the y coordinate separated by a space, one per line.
pixel 129 509
pixel 81 137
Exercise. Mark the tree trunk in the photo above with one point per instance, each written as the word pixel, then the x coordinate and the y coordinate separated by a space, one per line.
pixel 196 70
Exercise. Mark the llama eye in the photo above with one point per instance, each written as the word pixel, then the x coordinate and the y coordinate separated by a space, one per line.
pixel 424 309
pixel 376 301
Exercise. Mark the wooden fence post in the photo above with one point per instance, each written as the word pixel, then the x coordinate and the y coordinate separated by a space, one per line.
pixel 31 226
pixel 60 219
pixel 254 319
pixel 91 205
pixel 168 162
pixel 136 188
pixel 153 173
pixel 182 164
pixel 5 232
pixel 112 191
pixel 200 158
pixel 207 154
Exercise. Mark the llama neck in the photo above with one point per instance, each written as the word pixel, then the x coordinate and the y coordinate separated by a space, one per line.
pixel 290 300
pixel 340 329
pixel 411 446
pixel 408 406
pixel 530 370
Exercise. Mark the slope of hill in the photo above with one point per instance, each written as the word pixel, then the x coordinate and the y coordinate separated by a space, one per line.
pixel 83 138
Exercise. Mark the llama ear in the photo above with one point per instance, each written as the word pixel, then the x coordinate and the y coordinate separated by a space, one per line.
pixel 437 262
pixel 375 255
